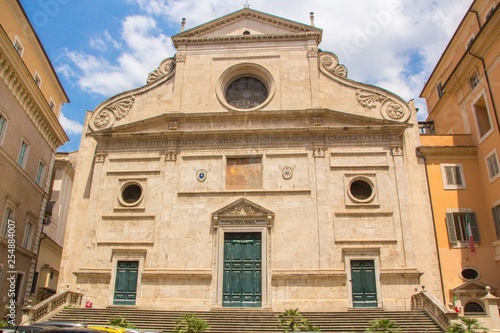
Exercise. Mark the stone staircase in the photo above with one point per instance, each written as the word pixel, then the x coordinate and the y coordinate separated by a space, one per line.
pixel 246 321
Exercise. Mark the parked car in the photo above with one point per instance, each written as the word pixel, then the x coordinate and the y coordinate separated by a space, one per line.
pixel 60 324
pixel 71 329
pixel 25 328
pixel 108 328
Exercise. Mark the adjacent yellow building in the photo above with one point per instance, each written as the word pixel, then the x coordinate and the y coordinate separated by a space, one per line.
pixel 31 97
pixel 461 145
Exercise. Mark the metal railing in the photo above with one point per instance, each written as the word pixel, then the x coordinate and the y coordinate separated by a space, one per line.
pixel 51 305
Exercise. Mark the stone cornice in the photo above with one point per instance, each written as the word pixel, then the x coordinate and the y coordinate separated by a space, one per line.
pixel 246 38
pixel 295 28
pixel 447 151
pixel 18 79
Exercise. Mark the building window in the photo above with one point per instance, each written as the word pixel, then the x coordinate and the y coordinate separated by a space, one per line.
pixel 492 165
pixel 474 80
pixel 473 307
pixel 440 90
pixel 39 173
pixel 23 154
pixel 469 274
pixel 28 235
pixel 8 215
pixel 496 219
pixel 482 117
pixel 453 176
pixel 246 92
pixel 361 190
pixel 131 194
pixel 244 173
pixel 459 226
pixel 3 126
pixel 38 79
pixel 18 46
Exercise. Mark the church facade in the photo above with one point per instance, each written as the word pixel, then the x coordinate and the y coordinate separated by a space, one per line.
pixel 250 171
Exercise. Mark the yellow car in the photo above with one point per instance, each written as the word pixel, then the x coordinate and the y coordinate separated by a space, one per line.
pixel 108 328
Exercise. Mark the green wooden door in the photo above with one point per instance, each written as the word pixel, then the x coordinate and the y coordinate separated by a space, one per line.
pixel 242 270
pixel 364 290
pixel 126 283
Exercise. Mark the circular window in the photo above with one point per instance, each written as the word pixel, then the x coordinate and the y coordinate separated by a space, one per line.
pixel 469 274
pixel 131 194
pixel 361 190
pixel 245 87
pixel 246 92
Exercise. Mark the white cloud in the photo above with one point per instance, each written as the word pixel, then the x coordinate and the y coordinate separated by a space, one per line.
pixel 70 126
pixel 143 50
pixel 374 39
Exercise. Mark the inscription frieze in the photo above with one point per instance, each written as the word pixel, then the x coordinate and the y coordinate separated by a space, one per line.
pixel 239 141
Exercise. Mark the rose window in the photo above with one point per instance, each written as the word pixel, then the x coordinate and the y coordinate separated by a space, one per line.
pixel 246 93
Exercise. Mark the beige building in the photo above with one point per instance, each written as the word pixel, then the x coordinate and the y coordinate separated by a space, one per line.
pixel 251 172
pixel 30 101
pixel 52 237
pixel 461 146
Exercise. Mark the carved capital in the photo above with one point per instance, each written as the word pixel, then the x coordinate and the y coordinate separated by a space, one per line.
pixel 99 158
pixel 319 152
pixel 180 57
pixel 397 151
pixel 312 52
pixel 171 155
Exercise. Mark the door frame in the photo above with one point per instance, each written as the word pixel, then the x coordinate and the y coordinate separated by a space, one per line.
pixel 126 255
pixel 219 261
pixel 362 254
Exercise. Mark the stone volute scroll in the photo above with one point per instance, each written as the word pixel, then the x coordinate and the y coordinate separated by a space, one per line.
pixel 329 62
pixel 107 115
pixel 390 108
pixel 165 68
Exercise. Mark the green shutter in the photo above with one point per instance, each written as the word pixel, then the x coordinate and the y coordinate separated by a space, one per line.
pixel 496 219
pixel 473 226
pixel 452 235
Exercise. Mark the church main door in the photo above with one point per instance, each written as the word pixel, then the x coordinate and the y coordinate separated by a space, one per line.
pixel 126 283
pixel 364 290
pixel 242 277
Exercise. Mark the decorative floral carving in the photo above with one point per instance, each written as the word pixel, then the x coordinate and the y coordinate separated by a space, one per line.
pixel 115 111
pixel 319 152
pixel 340 70
pixel 171 155
pixel 243 209
pixel 99 158
pixel 368 99
pixel 102 119
pixel 395 110
pixel 165 68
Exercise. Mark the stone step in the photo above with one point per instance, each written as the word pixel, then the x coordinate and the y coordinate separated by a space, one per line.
pixel 251 321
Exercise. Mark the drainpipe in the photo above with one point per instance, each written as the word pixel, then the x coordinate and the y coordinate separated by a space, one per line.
pixel 485 72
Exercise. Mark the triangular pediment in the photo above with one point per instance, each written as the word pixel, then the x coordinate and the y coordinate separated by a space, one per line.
pixel 472 287
pixel 242 212
pixel 246 25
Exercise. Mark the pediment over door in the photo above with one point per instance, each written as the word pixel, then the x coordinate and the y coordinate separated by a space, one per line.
pixel 473 287
pixel 242 212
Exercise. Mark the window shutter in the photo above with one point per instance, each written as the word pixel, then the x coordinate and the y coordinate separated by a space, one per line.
pixel 449 175
pixel 458 176
pixel 496 219
pixel 452 235
pixel 473 226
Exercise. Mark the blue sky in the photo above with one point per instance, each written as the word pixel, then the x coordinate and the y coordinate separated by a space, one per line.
pixel 102 47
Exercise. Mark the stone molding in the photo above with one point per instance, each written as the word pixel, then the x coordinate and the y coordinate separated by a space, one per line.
pixel 165 68
pixel 20 82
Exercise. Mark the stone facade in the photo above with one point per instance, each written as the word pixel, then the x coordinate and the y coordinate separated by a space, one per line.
pixel 250 141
